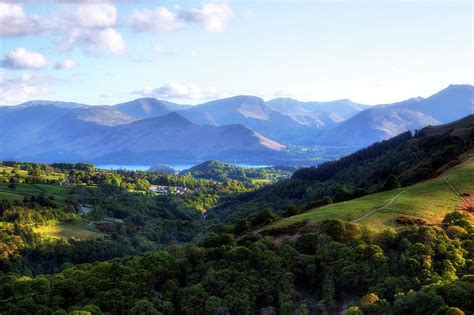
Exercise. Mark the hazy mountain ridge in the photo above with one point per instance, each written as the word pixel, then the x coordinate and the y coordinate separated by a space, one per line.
pixel 55 129
pixel 250 111
pixel 344 108
pixel 384 121
pixel 70 135
pixel 148 107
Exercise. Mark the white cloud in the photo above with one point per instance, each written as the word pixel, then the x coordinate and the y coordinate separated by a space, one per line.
pixel 65 64
pixel 17 89
pixel 21 58
pixel 14 21
pixel 92 40
pixel 96 16
pixel 212 16
pixel 175 90
pixel 159 21
pixel 89 26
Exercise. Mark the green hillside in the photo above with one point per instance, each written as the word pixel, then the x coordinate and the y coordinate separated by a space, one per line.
pixel 430 200
pixel 404 160
pixel 22 190
pixel 78 231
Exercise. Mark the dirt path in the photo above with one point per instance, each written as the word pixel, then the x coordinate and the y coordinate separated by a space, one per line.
pixel 383 207
pixel 453 188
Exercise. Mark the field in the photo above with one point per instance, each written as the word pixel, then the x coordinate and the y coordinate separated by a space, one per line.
pixel 21 190
pixel 5 172
pixel 429 200
pixel 78 231
pixel 260 181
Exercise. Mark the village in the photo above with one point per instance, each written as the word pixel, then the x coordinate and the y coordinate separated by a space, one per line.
pixel 165 190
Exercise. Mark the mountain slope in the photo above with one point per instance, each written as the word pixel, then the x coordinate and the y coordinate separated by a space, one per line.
pixel 449 104
pixel 250 111
pixel 50 133
pixel 384 121
pixel 428 201
pixel 148 107
pixel 375 124
pixel 409 158
pixel 343 108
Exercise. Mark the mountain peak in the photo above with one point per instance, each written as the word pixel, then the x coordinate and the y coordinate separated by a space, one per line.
pixel 148 107
pixel 52 103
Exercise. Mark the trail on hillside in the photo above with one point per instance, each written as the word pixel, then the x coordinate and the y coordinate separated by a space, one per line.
pixel 454 189
pixel 383 207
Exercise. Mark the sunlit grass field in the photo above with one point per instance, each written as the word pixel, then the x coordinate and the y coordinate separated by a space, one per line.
pixel 6 171
pixel 78 231
pixel 429 200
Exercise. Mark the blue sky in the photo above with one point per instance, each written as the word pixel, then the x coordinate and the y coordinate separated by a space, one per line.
pixel 105 52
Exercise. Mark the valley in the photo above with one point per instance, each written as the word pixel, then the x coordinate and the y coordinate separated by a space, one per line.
pixel 224 157
pixel 286 224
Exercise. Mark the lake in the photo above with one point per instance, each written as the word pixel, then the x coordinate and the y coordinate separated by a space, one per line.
pixel 178 167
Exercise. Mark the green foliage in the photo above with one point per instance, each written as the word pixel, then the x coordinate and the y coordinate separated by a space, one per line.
pixel 265 217
pixel 404 160
pixel 222 172
pixel 395 273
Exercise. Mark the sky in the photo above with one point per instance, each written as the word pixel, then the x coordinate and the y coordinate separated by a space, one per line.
pixel 106 52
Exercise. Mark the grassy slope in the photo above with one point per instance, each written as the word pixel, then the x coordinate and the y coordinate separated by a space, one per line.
pixel 23 174
pixel 429 200
pixel 79 231
pixel 60 193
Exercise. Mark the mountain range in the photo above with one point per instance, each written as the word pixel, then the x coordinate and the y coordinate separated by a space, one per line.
pixel 238 129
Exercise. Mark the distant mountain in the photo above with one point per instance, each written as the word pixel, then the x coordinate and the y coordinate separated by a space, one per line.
pixel 252 112
pixel 103 115
pixel 447 105
pixel 50 130
pixel 51 103
pixel 340 108
pixel 148 107
pixel 375 124
pixel 51 133
pixel 384 121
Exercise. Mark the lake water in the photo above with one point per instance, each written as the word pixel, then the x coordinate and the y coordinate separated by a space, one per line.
pixel 178 167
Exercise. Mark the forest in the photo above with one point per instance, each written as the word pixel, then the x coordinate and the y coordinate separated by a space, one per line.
pixel 79 240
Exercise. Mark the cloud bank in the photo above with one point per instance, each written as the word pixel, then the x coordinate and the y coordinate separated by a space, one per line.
pixel 21 58
pixel 212 16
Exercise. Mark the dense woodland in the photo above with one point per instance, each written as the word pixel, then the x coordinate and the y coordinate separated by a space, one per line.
pixel 425 270
pixel 221 172
pixel 197 249
pixel 400 161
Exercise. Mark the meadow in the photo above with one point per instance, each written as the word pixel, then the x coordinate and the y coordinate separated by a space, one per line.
pixel 78 231
pixel 21 190
pixel 429 200
pixel 6 172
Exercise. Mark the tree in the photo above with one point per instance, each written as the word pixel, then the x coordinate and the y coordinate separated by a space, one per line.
pixel 353 310
pixel 264 217
pixel 456 218
pixel 12 183
pixel 144 307
pixel 454 311
pixel 391 183
pixel 291 210
pixel 343 194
